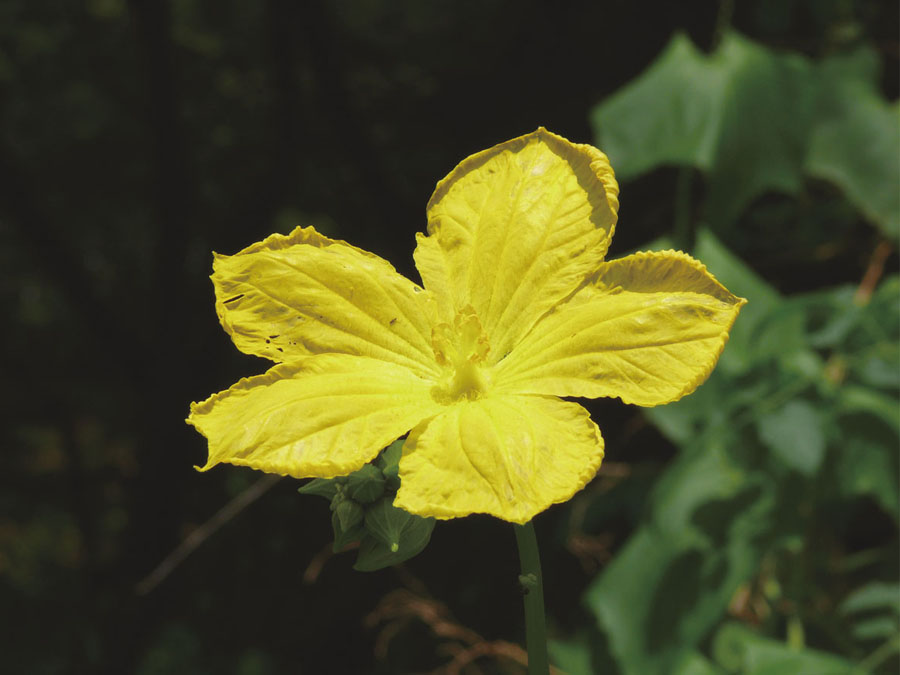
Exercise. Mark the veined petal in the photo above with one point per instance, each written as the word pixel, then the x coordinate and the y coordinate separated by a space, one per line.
pixel 300 294
pixel 322 416
pixel 647 328
pixel 514 229
pixel 507 456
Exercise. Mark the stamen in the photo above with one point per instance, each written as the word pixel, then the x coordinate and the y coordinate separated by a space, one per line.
pixel 460 348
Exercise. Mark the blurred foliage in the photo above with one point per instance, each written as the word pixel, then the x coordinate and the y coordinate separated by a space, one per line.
pixel 750 528
pixel 756 120
pixel 798 426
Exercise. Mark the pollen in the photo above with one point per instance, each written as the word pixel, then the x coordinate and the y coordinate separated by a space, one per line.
pixel 461 348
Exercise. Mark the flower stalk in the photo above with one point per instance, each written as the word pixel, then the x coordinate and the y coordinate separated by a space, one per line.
pixel 533 590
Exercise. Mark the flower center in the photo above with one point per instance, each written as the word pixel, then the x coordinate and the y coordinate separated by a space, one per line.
pixel 460 348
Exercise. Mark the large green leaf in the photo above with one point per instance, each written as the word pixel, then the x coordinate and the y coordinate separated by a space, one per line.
pixel 668 115
pixel 738 114
pixel 855 142
pixel 794 432
pixel 756 120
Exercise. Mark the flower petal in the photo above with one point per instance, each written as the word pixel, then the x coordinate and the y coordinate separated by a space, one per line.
pixel 648 328
pixel 323 415
pixel 515 229
pixel 507 456
pixel 300 294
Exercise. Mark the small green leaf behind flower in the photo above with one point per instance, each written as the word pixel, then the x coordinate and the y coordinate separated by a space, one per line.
pixel 395 536
pixel 347 520
pixel 321 487
pixel 389 463
pixel 362 510
pixel 366 485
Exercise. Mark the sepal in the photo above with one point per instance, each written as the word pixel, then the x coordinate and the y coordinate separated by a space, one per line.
pixel 366 485
pixel 393 535
pixel 347 520
pixel 389 463
pixel 363 511
pixel 321 487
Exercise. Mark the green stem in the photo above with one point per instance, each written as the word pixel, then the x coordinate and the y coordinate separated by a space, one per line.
pixel 533 588
pixel 723 21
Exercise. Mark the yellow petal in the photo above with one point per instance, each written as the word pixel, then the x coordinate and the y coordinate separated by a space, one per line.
pixel 648 328
pixel 300 294
pixel 508 456
pixel 514 229
pixel 320 416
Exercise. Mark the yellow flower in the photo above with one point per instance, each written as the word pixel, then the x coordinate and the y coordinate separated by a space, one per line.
pixel 518 309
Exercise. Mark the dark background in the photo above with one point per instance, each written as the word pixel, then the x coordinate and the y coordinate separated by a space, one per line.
pixel 137 137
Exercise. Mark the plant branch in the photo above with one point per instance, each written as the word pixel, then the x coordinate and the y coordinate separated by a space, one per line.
pixel 204 532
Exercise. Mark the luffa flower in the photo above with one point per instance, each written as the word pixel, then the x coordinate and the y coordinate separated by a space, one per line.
pixel 518 309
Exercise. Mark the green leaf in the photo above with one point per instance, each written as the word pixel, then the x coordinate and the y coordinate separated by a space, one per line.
pixel 766 106
pixel 875 595
pixel 685 419
pixel 571 657
pixel 876 628
pixel 321 487
pixel 795 435
pixel 349 514
pixel 855 139
pixel 879 366
pixel 804 364
pixel 854 399
pixel 694 663
pixel 728 645
pixel 365 485
pixel 758 120
pixel 354 531
pixel 884 305
pixel 774 658
pixel 739 649
pixel 832 316
pixel 738 114
pixel 392 536
pixel 673 579
pixel 668 115
pixel 389 463
pixel 867 463
pixel 743 349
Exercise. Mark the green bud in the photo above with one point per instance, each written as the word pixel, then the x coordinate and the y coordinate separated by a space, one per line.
pixel 346 521
pixel 391 536
pixel 389 463
pixel 365 485
pixel 349 514
pixel 338 497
